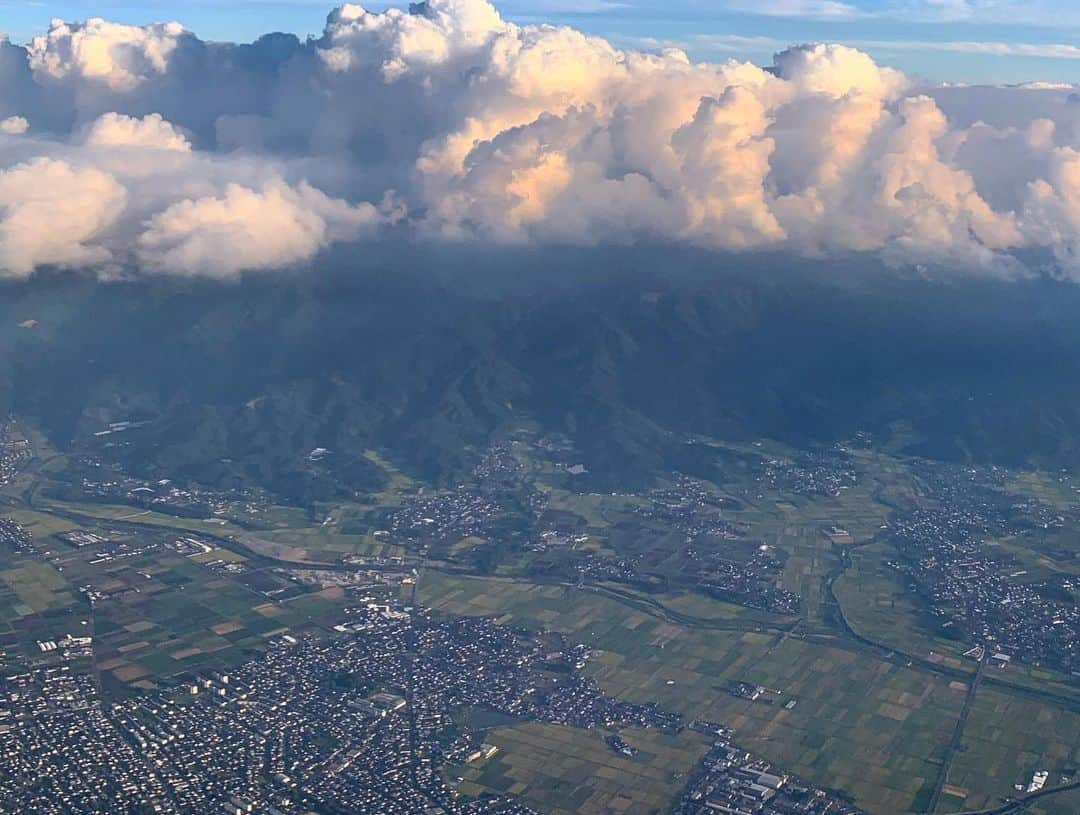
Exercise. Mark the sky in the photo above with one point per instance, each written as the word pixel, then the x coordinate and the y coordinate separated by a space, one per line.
pixel 991 41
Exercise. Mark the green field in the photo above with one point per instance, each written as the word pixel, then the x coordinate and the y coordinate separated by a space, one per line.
pixel 38 586
pixel 1006 740
pixel 561 770
pixel 862 693
pixel 871 726
pixel 879 607
pixel 157 615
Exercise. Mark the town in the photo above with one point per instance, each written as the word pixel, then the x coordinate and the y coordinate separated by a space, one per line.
pixel 505 517
pixel 732 781
pixel 978 592
pixel 259 657
pixel 15 450
pixel 357 721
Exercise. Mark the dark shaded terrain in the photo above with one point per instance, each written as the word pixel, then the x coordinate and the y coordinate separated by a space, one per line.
pixel 626 353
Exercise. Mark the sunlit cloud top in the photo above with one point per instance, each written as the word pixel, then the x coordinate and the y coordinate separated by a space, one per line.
pixel 148 150
pixel 933 38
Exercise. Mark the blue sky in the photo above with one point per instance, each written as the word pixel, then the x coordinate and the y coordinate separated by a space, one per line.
pixel 960 40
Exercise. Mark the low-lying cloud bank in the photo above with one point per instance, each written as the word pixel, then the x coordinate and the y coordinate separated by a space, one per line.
pixel 145 149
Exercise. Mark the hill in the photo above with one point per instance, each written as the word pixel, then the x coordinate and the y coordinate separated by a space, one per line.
pixel 426 357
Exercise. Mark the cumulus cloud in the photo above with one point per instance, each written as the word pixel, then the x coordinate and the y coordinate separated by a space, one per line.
pixel 52 214
pixel 249 229
pixel 116 130
pixel 14 126
pixel 217 159
pixel 118 56
pixel 837 70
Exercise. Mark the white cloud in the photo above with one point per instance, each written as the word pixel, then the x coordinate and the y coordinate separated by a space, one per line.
pixel 119 56
pixel 837 70
pixel 813 9
pixel 992 48
pixel 216 159
pixel 14 126
pixel 52 214
pixel 152 131
pixel 245 229
pixel 1046 13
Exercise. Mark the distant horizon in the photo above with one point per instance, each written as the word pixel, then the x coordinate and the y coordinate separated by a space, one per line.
pixel 964 41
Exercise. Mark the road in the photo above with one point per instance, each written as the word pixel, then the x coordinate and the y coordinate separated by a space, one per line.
pixel 1020 804
pixel 834 631
pixel 957 737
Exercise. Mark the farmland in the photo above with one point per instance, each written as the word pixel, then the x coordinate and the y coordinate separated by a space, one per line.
pixel 872 726
pixel 155 614
pixel 561 770
pixel 848 682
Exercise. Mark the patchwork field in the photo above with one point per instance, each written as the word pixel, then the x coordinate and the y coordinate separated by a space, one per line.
pixel 873 726
pixel 1006 740
pixel 562 770
pixel 156 614
pixel 858 693
pixel 38 586
pixel 877 606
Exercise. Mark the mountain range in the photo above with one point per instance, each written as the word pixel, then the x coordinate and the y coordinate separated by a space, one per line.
pixel 425 354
